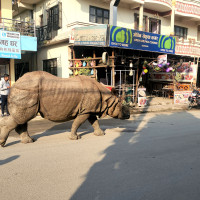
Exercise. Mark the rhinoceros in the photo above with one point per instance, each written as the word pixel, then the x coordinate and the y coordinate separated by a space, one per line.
pixel 58 99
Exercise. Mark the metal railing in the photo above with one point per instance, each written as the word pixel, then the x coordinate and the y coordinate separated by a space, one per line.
pixel 43 33
pixel 24 28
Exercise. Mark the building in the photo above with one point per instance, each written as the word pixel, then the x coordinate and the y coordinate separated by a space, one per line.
pixel 17 38
pixel 56 19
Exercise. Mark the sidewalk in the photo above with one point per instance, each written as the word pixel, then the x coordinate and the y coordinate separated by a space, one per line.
pixel 156 104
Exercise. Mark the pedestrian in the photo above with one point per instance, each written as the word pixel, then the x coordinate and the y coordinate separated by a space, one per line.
pixel 5 89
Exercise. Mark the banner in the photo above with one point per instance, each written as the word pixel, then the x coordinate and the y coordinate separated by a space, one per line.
pixel 10 45
pixel 181 97
pixel 139 40
pixel 91 36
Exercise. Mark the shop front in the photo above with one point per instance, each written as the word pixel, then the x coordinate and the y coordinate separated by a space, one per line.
pixel 128 59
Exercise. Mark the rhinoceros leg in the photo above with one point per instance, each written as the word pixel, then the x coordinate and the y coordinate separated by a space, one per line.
pixel 7 124
pixel 80 119
pixel 95 124
pixel 22 131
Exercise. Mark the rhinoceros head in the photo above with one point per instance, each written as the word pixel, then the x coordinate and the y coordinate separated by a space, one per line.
pixel 116 109
pixel 119 111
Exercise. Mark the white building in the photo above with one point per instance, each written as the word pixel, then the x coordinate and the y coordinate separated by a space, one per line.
pixel 56 18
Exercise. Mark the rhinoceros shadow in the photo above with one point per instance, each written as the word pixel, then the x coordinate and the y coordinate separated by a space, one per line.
pixel 45 128
pixel 59 128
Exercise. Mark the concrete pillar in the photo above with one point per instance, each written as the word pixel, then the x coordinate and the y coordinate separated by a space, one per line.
pixel 12 71
pixel 173 17
pixel 113 12
pixel 141 10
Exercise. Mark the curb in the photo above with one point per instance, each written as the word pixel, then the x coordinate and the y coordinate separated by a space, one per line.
pixel 158 108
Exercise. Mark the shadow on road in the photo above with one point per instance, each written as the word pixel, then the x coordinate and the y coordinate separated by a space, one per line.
pixel 155 158
pixel 7 160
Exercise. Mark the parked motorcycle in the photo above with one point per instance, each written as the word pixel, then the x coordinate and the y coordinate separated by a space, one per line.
pixel 194 99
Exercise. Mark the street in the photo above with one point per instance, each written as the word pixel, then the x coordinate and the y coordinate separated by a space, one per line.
pixel 151 156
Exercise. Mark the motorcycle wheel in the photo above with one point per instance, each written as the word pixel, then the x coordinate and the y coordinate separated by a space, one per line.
pixel 190 105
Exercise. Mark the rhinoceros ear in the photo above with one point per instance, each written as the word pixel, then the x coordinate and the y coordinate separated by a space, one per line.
pixel 114 92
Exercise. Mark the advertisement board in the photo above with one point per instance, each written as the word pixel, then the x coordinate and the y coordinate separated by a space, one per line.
pixel 185 73
pixel 181 97
pixel 142 98
pixel 10 45
pixel 139 40
pixel 91 36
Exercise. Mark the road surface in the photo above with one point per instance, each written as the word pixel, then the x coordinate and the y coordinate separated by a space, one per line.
pixel 153 156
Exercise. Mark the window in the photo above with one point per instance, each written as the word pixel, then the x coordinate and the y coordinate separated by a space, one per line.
pixel 99 15
pixel 21 69
pixel 198 33
pixel 154 25
pixel 54 17
pixel 50 66
pixel 136 22
pixel 181 32
pixel 31 14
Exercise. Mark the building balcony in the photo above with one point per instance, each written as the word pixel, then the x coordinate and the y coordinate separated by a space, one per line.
pixel 158 5
pixel 24 28
pixel 188 9
pixel 154 5
pixel 19 6
pixel 43 34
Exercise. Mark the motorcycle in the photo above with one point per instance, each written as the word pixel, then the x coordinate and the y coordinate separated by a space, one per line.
pixel 194 99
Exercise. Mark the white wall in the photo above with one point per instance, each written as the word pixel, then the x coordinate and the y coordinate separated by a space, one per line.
pixel 60 52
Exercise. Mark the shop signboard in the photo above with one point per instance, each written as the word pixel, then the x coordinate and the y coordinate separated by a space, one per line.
pixel 181 97
pixel 91 36
pixel 139 40
pixel 10 45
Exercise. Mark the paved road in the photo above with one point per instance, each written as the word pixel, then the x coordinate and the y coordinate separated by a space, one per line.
pixel 153 156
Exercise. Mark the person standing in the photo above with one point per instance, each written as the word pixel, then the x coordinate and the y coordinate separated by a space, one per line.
pixel 5 89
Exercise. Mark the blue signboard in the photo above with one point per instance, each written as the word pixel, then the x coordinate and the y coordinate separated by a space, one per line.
pixel 28 43
pixel 10 45
pixel 139 40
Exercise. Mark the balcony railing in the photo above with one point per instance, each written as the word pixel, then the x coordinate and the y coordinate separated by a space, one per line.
pixel 43 33
pixel 25 28
pixel 189 47
pixel 188 7
pixel 191 1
